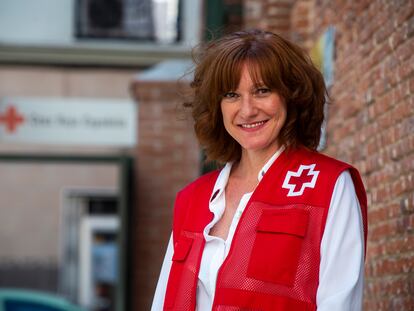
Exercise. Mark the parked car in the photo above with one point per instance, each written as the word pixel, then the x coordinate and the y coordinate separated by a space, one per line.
pixel 27 300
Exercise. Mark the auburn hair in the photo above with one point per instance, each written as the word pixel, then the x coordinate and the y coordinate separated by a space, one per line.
pixel 272 60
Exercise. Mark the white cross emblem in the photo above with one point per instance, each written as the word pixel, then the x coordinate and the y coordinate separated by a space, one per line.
pixel 301 180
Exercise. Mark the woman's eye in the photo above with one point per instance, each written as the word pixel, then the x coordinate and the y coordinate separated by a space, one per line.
pixel 230 95
pixel 263 91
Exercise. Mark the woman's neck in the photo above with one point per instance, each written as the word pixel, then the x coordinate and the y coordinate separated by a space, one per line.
pixel 252 162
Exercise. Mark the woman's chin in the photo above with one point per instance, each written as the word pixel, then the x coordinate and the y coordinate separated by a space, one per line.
pixel 260 147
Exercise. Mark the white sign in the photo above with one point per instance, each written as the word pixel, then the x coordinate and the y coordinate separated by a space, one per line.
pixel 77 121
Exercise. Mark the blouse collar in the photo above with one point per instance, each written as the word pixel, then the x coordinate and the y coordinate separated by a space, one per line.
pixel 225 173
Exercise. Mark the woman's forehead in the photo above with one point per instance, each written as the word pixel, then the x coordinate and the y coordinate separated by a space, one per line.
pixel 248 71
pixel 231 74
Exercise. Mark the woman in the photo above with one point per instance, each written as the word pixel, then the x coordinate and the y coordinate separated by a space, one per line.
pixel 280 227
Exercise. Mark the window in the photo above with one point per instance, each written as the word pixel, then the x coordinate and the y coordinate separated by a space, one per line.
pixel 145 20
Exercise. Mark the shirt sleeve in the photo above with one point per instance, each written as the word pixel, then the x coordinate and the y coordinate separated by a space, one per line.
pixel 158 301
pixel 341 274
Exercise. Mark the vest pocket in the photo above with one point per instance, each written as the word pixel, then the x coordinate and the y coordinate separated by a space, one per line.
pixel 181 250
pixel 277 246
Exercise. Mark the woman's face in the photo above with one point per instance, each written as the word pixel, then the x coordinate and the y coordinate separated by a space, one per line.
pixel 253 115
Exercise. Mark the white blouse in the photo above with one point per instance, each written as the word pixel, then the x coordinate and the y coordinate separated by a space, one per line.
pixel 341 271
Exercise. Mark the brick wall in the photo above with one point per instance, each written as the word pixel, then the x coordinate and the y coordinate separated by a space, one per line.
pixel 167 158
pixel 272 15
pixel 301 23
pixel 370 124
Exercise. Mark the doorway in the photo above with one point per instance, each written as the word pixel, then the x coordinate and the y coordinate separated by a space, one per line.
pixel 64 226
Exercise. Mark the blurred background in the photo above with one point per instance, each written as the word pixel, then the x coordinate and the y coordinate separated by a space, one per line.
pixel 94 143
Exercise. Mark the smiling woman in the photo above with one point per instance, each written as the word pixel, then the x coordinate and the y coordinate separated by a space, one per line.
pixel 280 226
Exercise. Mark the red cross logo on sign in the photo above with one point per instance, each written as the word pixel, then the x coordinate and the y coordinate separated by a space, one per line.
pixel 11 118
pixel 297 182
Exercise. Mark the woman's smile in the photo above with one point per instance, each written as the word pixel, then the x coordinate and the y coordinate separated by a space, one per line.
pixel 253 126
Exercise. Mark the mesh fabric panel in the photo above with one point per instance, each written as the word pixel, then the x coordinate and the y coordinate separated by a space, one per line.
pixel 234 271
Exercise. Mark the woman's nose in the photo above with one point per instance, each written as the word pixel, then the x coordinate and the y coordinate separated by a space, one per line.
pixel 247 106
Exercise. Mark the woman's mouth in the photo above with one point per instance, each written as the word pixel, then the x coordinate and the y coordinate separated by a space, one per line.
pixel 253 125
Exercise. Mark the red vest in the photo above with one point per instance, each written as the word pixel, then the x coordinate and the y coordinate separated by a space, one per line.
pixel 273 262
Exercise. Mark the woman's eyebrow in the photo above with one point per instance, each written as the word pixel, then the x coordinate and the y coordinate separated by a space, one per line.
pixel 259 84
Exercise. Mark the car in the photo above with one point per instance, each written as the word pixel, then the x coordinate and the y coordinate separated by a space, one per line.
pixel 29 300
